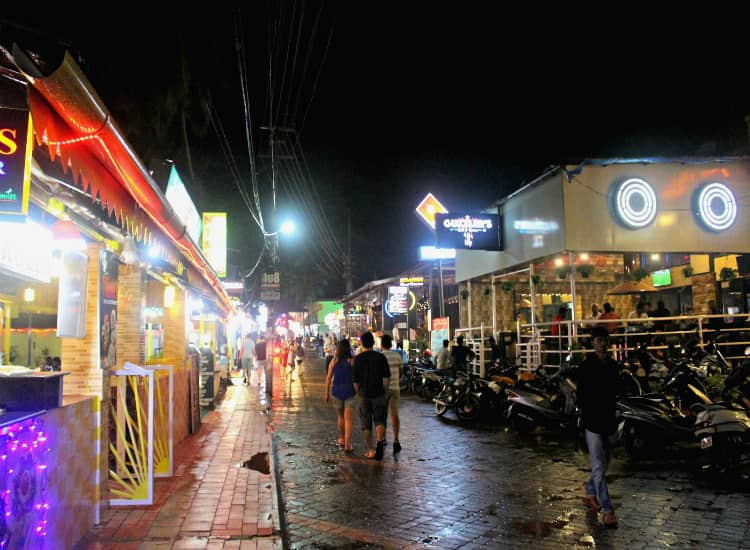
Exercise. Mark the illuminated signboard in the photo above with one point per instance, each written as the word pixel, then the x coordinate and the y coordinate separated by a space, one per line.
pixel 714 206
pixel 398 299
pixel 434 253
pixel 635 203
pixel 15 161
pixel 30 256
pixel 179 199
pixel 411 281
pixel 468 231
pixel 428 208
pixel 215 241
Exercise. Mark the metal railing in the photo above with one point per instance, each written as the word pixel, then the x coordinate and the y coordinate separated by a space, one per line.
pixel 536 346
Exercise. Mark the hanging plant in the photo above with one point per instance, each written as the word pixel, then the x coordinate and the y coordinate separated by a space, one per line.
pixel 639 274
pixel 506 286
pixel 487 291
pixel 727 273
pixel 464 294
pixel 687 271
pixel 536 279
pixel 563 271
pixel 585 270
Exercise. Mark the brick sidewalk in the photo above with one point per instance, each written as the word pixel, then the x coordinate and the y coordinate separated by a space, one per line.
pixel 212 501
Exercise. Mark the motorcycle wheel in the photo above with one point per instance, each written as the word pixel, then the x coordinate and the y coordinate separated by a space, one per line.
pixel 468 407
pixel 403 382
pixel 520 424
pixel 441 407
pixel 636 444
pixel 417 388
pixel 428 391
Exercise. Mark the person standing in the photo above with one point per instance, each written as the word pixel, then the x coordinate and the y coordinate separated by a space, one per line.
pixel 596 391
pixel 371 380
pixel 260 356
pixel 461 355
pixel 443 357
pixel 246 356
pixel 396 365
pixel 606 315
pixel 339 384
pixel 299 358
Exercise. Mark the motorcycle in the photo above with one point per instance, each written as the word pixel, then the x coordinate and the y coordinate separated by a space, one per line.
pixel 463 394
pixel 724 435
pixel 549 403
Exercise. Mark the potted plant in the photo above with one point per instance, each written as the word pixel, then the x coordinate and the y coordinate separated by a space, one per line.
pixel 727 273
pixel 687 271
pixel 639 274
pixel 563 271
pixel 464 294
pixel 585 270
pixel 506 286
pixel 536 279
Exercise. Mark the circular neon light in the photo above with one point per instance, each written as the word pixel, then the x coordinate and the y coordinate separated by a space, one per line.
pixel 717 207
pixel 635 203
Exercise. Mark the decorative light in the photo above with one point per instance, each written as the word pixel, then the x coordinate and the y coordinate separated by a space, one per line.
pixel 716 206
pixel 635 203
pixel 29 295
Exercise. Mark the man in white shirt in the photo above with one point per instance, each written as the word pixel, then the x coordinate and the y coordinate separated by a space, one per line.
pixel 443 357
pixel 394 389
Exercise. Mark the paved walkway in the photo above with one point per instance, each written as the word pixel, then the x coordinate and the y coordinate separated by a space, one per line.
pixel 213 501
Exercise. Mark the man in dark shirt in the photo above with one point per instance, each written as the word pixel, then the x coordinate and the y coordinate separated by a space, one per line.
pixel 597 389
pixel 461 355
pixel 371 377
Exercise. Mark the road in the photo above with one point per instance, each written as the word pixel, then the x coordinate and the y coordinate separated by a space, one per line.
pixel 462 486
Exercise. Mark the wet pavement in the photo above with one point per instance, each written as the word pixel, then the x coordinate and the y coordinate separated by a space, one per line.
pixel 478 486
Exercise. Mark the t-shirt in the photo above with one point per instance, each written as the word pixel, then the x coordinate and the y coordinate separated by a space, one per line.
pixel 395 364
pixel 461 355
pixel 342 387
pixel 260 351
pixel 597 386
pixel 248 346
pixel 370 367
pixel 443 359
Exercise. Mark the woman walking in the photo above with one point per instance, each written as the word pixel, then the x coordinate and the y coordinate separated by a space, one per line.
pixel 339 385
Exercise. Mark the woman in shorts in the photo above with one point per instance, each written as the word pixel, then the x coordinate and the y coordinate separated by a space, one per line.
pixel 339 385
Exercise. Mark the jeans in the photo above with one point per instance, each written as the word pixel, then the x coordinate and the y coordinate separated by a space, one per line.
pixel 597 484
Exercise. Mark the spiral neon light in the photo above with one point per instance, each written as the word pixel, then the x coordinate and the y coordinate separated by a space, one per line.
pixel 717 207
pixel 635 203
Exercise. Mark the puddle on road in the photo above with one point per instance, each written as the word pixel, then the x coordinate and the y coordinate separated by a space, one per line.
pixel 540 528
pixel 258 462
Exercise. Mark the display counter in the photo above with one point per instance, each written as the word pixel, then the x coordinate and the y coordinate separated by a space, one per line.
pixel 30 390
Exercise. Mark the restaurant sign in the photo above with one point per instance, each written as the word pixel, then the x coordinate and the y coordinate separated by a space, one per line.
pixel 468 231
pixel 15 160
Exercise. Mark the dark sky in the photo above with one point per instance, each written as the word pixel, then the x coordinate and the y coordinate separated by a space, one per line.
pixel 466 103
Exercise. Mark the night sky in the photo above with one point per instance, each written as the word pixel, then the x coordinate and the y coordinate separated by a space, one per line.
pixel 413 98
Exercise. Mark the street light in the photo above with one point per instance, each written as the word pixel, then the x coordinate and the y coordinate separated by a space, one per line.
pixel 28 297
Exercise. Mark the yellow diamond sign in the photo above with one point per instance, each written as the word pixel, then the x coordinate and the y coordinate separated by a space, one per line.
pixel 428 208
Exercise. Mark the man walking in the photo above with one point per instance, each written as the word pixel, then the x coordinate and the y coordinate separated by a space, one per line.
pixel 395 364
pixel 246 355
pixel 597 390
pixel 260 355
pixel 371 378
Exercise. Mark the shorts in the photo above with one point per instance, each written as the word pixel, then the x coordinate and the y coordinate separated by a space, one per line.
pixel 394 399
pixel 340 404
pixel 372 410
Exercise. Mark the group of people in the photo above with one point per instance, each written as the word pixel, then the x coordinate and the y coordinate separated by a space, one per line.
pixel 369 379
pixel 256 357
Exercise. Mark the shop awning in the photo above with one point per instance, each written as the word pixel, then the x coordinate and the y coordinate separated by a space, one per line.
pixel 73 124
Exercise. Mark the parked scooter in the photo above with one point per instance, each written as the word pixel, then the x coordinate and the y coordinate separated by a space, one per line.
pixel 551 404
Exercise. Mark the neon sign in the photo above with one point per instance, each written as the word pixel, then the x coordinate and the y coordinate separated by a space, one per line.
pixel 15 161
pixel 472 231
pixel 635 203
pixel 714 206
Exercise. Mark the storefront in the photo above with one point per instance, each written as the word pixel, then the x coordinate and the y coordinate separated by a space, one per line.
pixel 574 236
pixel 97 270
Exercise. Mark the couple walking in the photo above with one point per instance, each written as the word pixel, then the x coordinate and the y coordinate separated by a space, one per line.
pixel 374 378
